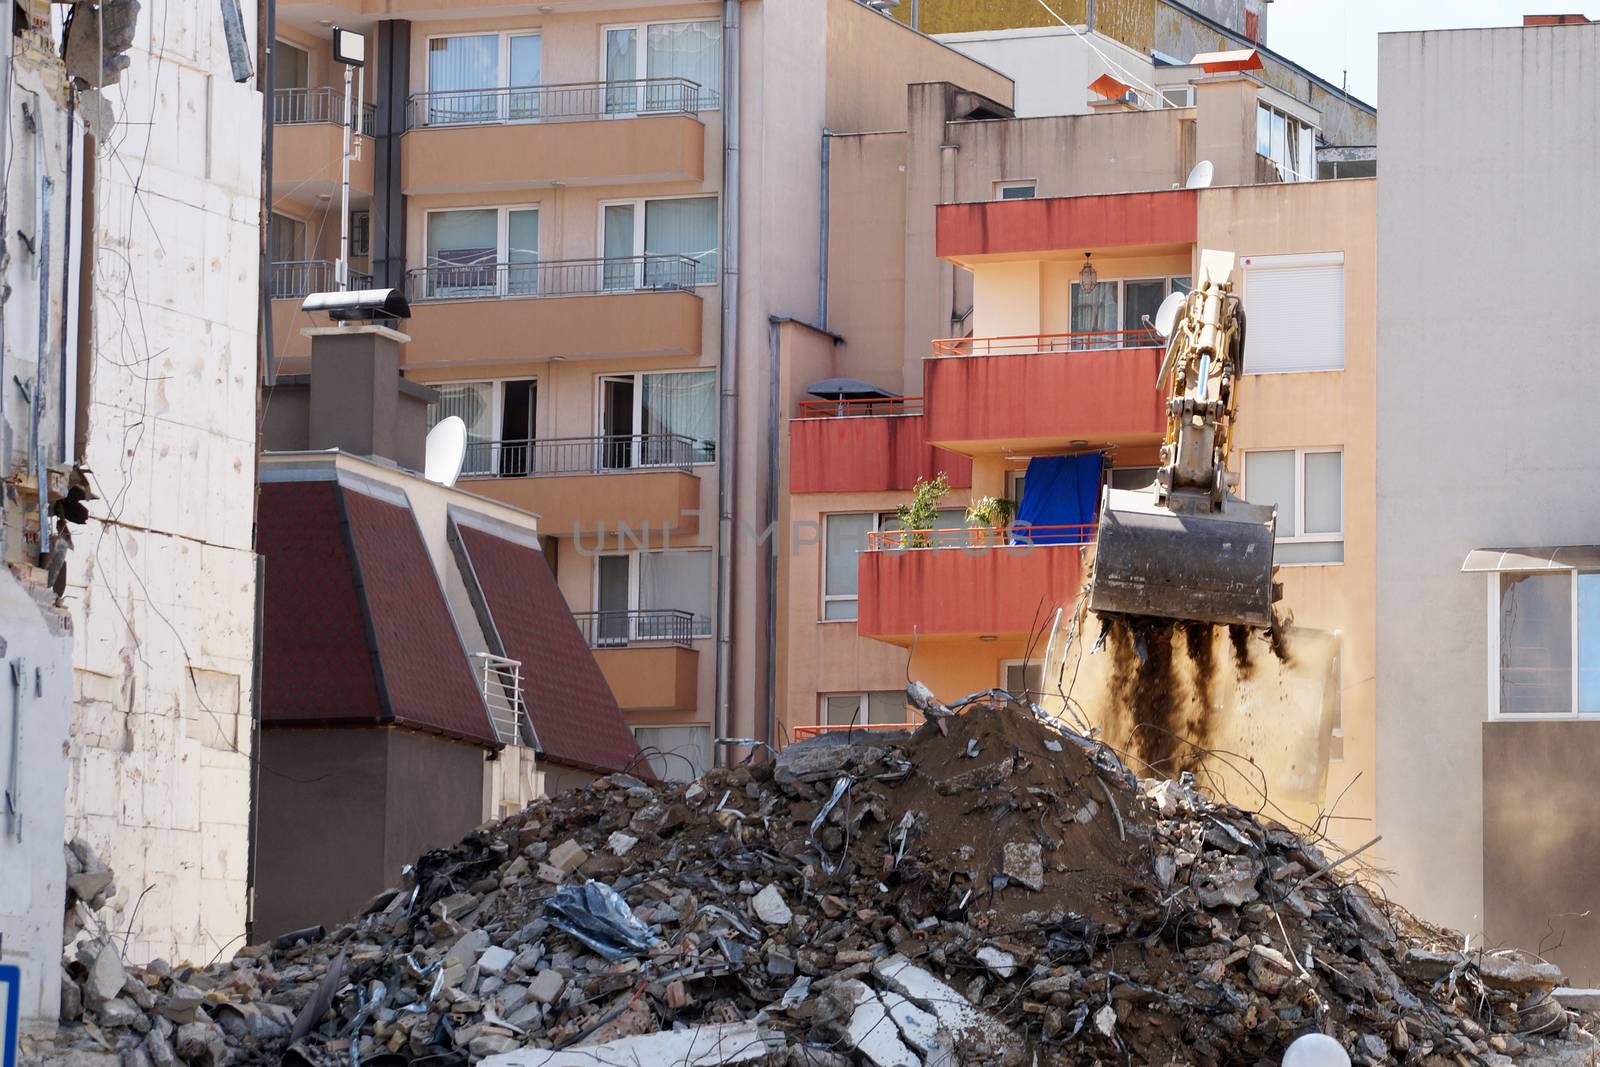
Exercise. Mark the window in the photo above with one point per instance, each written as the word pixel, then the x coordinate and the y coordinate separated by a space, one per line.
pixel 290 66
pixel 360 233
pixel 288 238
pixel 844 537
pixel 1181 96
pixel 1023 678
pixel 1136 479
pixel 1307 485
pixel 639 595
pixel 1545 644
pixel 675 753
pixel 1295 306
pixel 884 708
pixel 1289 143
pixel 1121 303
pixel 500 423
pixel 1014 190
pixel 657 244
pixel 661 419
pixel 468 75
pixel 673 53
pixel 482 252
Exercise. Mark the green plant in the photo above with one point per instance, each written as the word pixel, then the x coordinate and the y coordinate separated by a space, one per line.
pixel 923 511
pixel 991 511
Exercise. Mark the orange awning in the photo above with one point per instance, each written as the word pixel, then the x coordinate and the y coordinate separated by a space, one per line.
pixel 1110 88
pixel 1222 62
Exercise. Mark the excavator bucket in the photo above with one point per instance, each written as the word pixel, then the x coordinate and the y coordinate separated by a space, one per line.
pixel 1151 560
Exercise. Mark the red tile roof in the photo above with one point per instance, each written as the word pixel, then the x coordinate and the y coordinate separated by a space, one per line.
pixel 355 624
pixel 573 710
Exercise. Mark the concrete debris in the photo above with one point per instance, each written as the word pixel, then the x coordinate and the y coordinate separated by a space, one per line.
pixel 1024 907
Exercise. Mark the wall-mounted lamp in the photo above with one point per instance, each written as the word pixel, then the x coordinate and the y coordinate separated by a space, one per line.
pixel 1087 278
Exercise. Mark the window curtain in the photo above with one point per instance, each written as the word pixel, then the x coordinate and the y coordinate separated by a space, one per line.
pixel 684 405
pixel 619 268
pixel 522 252
pixel 1061 491
pixel 686 227
pixel 457 65
pixel 846 537
pixel 675 580
pixel 622 68
pixel 473 404
pixel 462 249
pixel 688 50
pixel 1096 311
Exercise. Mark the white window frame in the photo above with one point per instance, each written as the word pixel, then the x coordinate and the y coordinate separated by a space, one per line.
pixel 1031 184
pixel 639 208
pixel 502 243
pixel 637 376
pixel 1290 261
pixel 1494 651
pixel 1122 292
pixel 1301 537
pixel 634 569
pixel 671 758
pixel 710 98
pixel 1292 129
pixel 862 704
pixel 1007 664
pixel 502 60
pixel 497 404
pixel 824 598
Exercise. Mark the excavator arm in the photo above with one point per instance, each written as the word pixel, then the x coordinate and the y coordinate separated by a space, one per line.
pixel 1186 547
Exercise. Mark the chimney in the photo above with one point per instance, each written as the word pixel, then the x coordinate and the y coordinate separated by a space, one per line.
pixel 359 403
pixel 1554 20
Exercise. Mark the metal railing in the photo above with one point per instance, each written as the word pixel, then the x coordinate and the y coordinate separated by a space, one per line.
pixel 570 102
pixel 609 454
pixel 556 277
pixel 501 682
pixel 297 107
pixel 616 629
pixel 801 733
pixel 1017 535
pixel 297 278
pixel 1030 344
pixel 876 405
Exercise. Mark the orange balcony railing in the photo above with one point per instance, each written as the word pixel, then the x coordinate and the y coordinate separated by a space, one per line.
pixel 801 733
pixel 1030 344
pixel 872 405
pixel 1017 535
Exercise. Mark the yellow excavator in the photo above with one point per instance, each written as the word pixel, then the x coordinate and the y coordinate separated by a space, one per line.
pixel 1186 547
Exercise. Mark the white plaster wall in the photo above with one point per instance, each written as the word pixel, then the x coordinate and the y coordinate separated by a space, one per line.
pixel 1485 426
pixel 163 580
pixel 1052 68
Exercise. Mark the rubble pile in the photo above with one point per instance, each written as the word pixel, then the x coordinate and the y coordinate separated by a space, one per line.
pixel 991 889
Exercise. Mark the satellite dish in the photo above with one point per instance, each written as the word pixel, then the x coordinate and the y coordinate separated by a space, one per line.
pixel 1200 177
pixel 446 448
pixel 1167 313
pixel 1316 1050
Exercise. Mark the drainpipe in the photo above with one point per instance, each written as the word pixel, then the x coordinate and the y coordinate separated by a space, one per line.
pixel 947 195
pixel 728 420
pixel 269 361
pixel 822 236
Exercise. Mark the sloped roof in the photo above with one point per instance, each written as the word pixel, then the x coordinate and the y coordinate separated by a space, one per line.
pixel 355 626
pixel 520 608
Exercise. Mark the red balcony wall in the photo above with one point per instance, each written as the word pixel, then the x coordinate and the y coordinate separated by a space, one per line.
pixel 1043 398
pixel 867 454
pixel 1120 220
pixel 955 592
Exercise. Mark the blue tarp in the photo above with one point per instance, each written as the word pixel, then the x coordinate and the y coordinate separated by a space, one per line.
pixel 1058 491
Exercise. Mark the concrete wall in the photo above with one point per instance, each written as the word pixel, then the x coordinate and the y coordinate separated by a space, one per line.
pixel 1486 207
pixel 341 810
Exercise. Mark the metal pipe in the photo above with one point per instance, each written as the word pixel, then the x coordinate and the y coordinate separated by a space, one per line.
pixel 822 236
pixel 66 408
pixel 41 475
pixel 728 420
pixel 773 414
pixel 269 94
pixel 342 274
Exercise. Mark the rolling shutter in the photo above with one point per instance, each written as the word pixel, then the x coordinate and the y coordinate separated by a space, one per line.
pixel 1294 312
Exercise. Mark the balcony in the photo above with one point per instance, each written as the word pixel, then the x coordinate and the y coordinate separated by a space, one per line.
pixel 308 145
pixel 583 133
pixel 1032 394
pixel 647 657
pixel 967 583
pixel 491 315
pixel 297 279
pixel 871 445
pixel 644 482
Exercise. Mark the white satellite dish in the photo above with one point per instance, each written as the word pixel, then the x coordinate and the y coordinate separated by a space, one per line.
pixel 446 448
pixel 1316 1050
pixel 1200 177
pixel 1167 313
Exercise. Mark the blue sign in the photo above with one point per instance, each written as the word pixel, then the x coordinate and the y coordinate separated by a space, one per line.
pixel 10 1002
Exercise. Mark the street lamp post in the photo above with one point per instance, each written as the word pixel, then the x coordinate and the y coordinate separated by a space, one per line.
pixel 349 49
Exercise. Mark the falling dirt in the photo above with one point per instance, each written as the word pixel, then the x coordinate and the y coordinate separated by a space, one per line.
pixel 1239 637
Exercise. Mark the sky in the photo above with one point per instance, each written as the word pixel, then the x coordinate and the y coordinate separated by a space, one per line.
pixel 1330 37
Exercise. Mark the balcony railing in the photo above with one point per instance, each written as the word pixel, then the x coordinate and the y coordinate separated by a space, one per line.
pixel 296 107
pixel 1017 535
pixel 571 102
pixel 876 405
pixel 556 277
pixel 802 733
pixel 501 681
pixel 610 454
pixel 298 278
pixel 616 629
pixel 1031 344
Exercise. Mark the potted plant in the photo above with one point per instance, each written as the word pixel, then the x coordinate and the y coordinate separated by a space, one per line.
pixel 987 519
pixel 919 516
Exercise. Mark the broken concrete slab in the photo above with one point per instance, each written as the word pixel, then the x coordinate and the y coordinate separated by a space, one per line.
pixel 705 1046
pixel 871 1030
pixel 1024 864
pixel 769 906
pixel 954 1011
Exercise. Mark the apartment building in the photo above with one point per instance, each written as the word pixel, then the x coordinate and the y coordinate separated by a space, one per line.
pixel 1036 367
pixel 1486 511
pixel 597 210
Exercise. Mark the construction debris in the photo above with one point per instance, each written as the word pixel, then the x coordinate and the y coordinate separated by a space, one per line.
pixel 891 901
